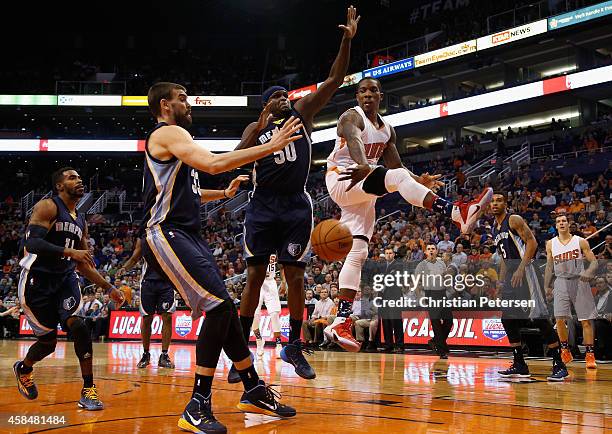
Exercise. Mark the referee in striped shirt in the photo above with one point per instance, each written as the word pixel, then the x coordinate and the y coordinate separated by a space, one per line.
pixel 441 317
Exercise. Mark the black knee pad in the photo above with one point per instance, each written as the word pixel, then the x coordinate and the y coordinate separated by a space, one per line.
pixel 549 335
pixel 375 182
pixel 44 346
pixel 82 340
pixel 513 329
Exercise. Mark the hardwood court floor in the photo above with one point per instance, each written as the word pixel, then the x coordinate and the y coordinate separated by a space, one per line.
pixel 379 393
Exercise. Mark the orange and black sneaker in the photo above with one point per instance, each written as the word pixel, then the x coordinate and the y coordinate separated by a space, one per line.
pixel 589 358
pixel 25 381
pixel 566 355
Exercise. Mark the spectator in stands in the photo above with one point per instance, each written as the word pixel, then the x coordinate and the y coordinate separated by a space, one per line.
pixel 364 317
pixel 459 257
pixel 10 320
pixel 575 207
pixel 603 322
pixel 3 309
pixel 446 245
pixel 125 289
pixel 318 320
pixel 309 298
pixel 549 201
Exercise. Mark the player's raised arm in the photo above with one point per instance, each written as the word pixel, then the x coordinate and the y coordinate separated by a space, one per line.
pixel 311 104
pixel 531 246
pixel 590 272
pixel 249 135
pixel 177 142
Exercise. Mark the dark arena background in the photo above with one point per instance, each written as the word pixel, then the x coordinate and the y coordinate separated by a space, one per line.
pixel 506 97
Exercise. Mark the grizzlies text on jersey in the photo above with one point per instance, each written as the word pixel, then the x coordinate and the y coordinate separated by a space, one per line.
pixel 284 171
pixel 65 231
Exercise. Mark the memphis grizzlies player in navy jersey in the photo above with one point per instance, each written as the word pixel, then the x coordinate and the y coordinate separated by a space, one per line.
pixel 55 246
pixel 174 247
pixel 517 246
pixel 156 294
pixel 279 218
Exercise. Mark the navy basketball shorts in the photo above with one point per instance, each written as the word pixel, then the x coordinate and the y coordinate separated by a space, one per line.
pixel 49 299
pixel 185 261
pixel 156 296
pixel 280 224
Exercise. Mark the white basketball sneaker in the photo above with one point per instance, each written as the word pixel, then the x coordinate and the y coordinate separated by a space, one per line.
pixel 465 215
pixel 279 348
pixel 260 347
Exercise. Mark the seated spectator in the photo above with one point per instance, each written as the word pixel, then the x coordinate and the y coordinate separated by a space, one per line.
pixel 603 322
pixel 549 201
pixel 310 297
pixel 576 206
pixel 318 320
pixel 364 317
pixel 446 245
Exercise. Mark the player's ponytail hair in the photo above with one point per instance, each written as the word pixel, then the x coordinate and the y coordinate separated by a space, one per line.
pixel 159 91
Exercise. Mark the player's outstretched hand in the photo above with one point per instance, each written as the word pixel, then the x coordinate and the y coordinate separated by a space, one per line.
pixel 117 296
pixel 81 256
pixel 235 184
pixel 355 174
pixel 350 29
pixel 284 136
pixel 264 117
pixel 430 181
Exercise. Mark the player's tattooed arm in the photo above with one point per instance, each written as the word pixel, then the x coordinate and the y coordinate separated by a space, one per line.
pixel 518 224
pixel 548 272
pixel 312 104
pixel 590 272
pixel 349 128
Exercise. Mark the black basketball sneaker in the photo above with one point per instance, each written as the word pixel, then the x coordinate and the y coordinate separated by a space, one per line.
pixel 262 399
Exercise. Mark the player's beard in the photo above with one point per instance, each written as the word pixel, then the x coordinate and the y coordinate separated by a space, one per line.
pixel 183 120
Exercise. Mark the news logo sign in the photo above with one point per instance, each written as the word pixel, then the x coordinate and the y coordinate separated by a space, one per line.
pixel 511 35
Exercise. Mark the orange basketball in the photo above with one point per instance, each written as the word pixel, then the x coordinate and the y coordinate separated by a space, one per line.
pixel 331 240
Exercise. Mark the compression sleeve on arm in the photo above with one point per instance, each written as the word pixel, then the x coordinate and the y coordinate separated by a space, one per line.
pixel 35 242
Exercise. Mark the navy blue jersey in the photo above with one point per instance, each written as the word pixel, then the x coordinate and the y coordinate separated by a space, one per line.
pixel 66 231
pixel 171 192
pixel 284 171
pixel 510 245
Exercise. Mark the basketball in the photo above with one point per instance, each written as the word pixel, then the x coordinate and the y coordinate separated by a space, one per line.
pixel 331 240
